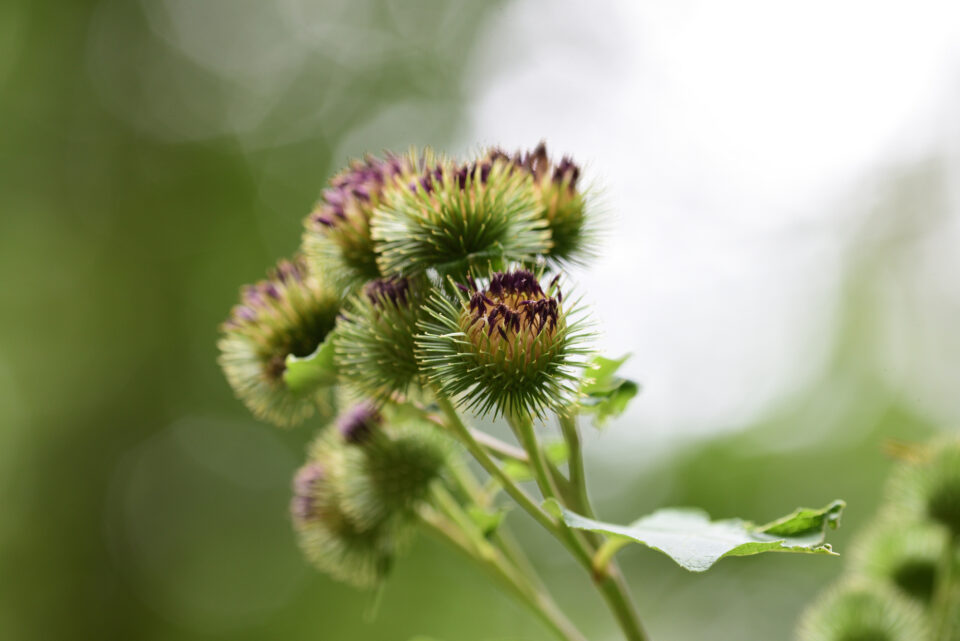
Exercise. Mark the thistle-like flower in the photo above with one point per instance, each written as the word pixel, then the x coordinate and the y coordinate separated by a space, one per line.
pixel 930 489
pixel 328 537
pixel 291 312
pixel 450 217
pixel 861 611
pixel 354 503
pixel 375 347
pixel 902 554
pixel 388 467
pixel 337 237
pixel 561 199
pixel 508 347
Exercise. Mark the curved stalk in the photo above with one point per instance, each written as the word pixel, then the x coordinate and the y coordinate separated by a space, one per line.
pixel 578 479
pixel 490 560
pixel 611 584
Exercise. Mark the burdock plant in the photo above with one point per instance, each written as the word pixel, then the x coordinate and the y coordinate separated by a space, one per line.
pixel 432 294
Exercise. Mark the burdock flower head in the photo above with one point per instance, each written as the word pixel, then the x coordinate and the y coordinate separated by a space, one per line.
pixel 449 217
pixel 333 542
pixel 355 502
pixel 337 232
pixel 860 610
pixel 930 488
pixel 375 349
pixel 508 346
pixel 389 464
pixel 902 554
pixel 561 199
pixel 289 313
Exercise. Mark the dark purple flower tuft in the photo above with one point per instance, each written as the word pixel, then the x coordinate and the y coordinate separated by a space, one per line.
pixel 305 486
pixel 513 301
pixel 395 290
pixel 356 189
pixel 538 164
pixel 358 423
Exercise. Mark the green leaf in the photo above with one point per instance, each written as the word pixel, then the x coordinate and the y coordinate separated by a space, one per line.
pixel 690 538
pixel 305 374
pixel 604 394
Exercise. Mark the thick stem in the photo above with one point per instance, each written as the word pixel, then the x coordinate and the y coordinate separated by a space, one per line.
pixel 611 584
pixel 490 560
pixel 578 479
pixel 523 428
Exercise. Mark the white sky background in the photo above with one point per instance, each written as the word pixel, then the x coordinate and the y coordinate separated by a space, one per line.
pixel 736 143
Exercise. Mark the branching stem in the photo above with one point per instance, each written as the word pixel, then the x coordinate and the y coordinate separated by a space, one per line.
pixel 493 562
pixel 610 584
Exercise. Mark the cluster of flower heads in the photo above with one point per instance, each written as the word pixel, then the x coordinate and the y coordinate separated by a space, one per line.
pixel 892 591
pixel 420 276
pixel 403 215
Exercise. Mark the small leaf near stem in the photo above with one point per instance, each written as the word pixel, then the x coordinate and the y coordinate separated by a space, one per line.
pixel 304 374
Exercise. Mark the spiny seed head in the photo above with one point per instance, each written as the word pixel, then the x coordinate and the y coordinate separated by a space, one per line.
pixel 930 489
pixel 375 348
pixel 902 554
pixel 449 216
pixel 385 481
pixel 562 201
pixel 337 232
pixel 507 346
pixel 291 312
pixel 358 424
pixel 333 542
pixel 863 611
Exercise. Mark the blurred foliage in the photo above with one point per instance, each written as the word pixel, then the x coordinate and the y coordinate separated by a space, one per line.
pixel 156 155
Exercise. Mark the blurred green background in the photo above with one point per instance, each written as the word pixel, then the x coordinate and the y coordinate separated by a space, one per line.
pixel 155 156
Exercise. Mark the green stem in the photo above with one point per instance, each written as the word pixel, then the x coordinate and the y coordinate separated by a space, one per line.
pixel 603 557
pixel 487 463
pixel 498 448
pixel 611 584
pixel 578 479
pixel 490 560
pixel 943 611
pixel 471 488
pixel 523 428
